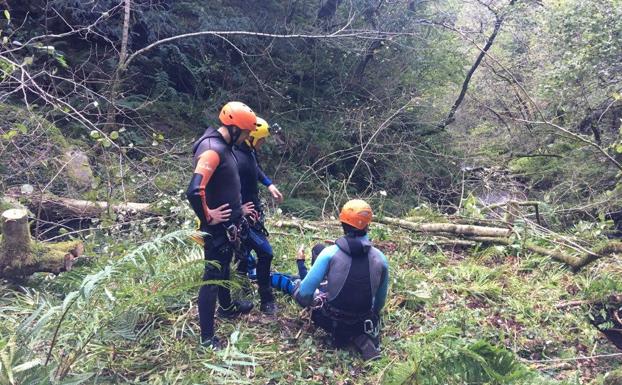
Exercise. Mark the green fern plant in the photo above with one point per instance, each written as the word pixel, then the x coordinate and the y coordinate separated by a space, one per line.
pixel 121 304
pixel 442 357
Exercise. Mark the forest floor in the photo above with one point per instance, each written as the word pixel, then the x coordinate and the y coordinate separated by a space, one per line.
pixel 134 320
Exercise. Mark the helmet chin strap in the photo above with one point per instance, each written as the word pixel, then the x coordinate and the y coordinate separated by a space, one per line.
pixel 234 133
pixel 251 144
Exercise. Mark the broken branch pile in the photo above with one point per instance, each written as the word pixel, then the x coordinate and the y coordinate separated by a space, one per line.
pixel 458 234
pixel 450 230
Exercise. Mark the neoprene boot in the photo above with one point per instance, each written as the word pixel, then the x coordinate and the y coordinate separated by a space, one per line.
pixel 269 308
pixel 236 308
pixel 367 347
pixel 212 343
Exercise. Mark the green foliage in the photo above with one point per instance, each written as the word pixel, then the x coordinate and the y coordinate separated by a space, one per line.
pixel 318 90
pixel 585 30
pixel 449 318
pixel 129 315
pixel 121 303
pixel 6 68
pixel 42 147
pixel 301 208
pixel 442 357
pixel 599 287
pixel 476 281
pixel 591 231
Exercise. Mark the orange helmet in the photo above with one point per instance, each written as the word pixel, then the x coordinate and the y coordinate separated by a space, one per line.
pixel 356 213
pixel 238 114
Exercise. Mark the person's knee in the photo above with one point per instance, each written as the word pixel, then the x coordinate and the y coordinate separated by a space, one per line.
pixel 217 264
pixel 208 289
pixel 266 250
pixel 207 292
pixel 261 244
pixel 265 256
pixel 213 273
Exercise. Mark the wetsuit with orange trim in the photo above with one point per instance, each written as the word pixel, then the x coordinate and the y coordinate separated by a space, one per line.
pixel 215 182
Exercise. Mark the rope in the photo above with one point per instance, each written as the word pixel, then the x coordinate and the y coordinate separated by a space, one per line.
pixel 319 301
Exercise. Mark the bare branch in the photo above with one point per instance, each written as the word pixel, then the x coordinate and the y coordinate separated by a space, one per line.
pixel 465 85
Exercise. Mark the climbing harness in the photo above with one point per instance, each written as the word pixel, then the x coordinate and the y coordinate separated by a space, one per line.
pixel 370 328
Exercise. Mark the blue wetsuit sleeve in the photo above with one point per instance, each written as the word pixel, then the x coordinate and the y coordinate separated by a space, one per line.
pixel 316 275
pixel 262 177
pixel 383 289
pixel 302 268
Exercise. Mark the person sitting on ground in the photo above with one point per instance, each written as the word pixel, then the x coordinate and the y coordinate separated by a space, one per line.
pixel 357 279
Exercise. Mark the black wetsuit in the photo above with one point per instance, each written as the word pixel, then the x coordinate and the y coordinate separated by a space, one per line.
pixel 256 239
pixel 250 174
pixel 215 182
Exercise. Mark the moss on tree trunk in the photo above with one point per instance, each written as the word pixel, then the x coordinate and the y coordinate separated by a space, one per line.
pixel 21 256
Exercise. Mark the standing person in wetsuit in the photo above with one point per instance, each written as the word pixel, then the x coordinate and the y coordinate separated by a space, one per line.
pixel 256 237
pixel 214 194
pixel 256 140
pixel 357 279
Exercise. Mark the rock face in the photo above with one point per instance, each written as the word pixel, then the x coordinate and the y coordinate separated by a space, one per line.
pixel 78 170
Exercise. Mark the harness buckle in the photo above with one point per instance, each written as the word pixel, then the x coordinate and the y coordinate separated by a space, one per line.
pixel 319 301
pixel 233 233
pixel 369 328
pixel 252 219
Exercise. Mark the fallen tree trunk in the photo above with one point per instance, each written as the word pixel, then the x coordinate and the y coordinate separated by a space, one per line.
pixel 477 221
pixel 469 235
pixel 501 236
pixel 301 225
pixel 55 207
pixel 568 259
pixel 20 256
pixel 58 207
pixel 452 228
pixel 574 261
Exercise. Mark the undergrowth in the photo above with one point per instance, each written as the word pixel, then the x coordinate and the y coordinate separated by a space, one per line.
pixel 452 317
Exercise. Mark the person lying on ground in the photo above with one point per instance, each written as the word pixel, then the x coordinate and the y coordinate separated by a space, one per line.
pixel 286 282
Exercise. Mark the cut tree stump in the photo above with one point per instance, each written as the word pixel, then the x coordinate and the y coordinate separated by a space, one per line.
pixel 21 256
pixel 16 242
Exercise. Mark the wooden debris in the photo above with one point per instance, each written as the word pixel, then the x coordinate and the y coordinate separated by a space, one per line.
pixel 21 256
pixel 451 228
pixel 54 207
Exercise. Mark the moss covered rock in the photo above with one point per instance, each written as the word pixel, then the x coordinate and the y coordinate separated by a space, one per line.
pixel 78 170
pixel 31 149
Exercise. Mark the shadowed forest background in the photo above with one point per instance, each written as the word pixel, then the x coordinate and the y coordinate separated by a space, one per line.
pixel 441 111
